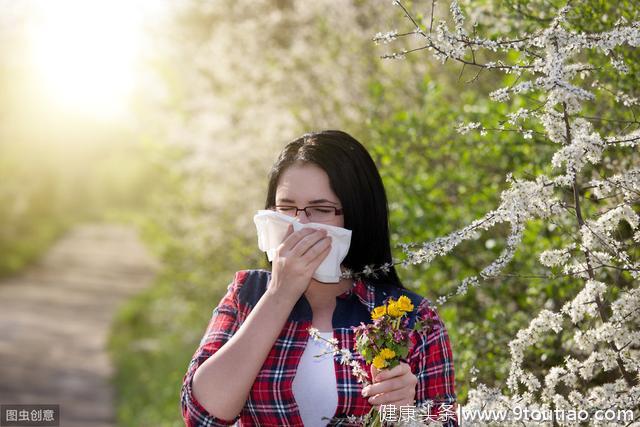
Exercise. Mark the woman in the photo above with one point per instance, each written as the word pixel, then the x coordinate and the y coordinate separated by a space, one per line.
pixel 255 364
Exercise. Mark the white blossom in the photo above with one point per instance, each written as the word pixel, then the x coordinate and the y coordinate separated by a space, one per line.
pixel 550 67
pixel 465 128
pixel 585 302
pixel 521 114
pixel 586 147
pixel 387 37
pixel 619 65
pixel 345 356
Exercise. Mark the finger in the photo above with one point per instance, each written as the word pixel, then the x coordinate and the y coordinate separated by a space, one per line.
pixel 405 381
pixel 386 386
pixel 318 253
pixel 398 370
pixel 307 242
pixel 402 395
pixel 287 233
pixel 374 372
pixel 290 242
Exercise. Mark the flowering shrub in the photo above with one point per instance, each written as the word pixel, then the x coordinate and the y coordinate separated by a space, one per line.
pixel 554 84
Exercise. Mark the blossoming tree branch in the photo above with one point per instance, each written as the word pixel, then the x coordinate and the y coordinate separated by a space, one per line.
pixel 553 79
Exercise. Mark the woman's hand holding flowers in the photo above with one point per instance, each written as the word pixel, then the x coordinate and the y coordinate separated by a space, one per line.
pixel 396 386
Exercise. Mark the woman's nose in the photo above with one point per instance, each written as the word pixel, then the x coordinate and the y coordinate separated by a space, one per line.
pixel 302 215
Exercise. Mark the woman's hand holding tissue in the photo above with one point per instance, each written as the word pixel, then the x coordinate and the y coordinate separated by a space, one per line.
pixel 295 261
pixel 272 229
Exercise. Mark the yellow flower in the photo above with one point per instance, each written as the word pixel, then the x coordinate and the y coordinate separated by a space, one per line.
pixel 378 312
pixel 404 303
pixel 379 362
pixel 394 310
pixel 387 353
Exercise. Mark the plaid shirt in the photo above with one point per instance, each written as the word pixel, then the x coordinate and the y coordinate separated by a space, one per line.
pixel 271 401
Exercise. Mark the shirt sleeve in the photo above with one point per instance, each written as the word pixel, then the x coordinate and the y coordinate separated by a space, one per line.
pixel 431 361
pixel 223 324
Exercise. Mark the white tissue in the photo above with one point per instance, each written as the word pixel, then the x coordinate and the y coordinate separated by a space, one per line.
pixel 272 227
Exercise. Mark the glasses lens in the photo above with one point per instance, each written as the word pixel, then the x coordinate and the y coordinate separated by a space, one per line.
pixel 315 213
pixel 321 213
pixel 287 210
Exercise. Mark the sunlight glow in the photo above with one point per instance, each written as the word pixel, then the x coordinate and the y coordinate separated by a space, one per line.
pixel 86 53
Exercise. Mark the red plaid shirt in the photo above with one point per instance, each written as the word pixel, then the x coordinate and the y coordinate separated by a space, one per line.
pixel 271 401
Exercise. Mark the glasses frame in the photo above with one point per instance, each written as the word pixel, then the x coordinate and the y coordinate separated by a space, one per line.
pixel 337 211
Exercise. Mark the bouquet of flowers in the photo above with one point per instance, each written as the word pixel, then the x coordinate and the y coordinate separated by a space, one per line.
pixel 384 343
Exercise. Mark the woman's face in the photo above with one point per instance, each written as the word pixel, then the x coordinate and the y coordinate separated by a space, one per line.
pixel 305 184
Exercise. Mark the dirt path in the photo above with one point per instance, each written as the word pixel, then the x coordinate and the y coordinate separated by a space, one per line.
pixel 55 319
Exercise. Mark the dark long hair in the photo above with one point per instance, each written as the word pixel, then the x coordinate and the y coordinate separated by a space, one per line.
pixel 355 179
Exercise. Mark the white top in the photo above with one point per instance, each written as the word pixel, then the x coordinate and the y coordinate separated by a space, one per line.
pixel 314 385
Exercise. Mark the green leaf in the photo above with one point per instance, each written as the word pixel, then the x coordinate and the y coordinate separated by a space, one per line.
pixel 402 351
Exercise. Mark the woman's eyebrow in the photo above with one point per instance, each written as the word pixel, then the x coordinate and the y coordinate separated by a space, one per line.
pixel 310 201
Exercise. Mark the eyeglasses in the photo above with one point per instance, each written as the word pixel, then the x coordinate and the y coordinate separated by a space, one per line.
pixel 314 213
